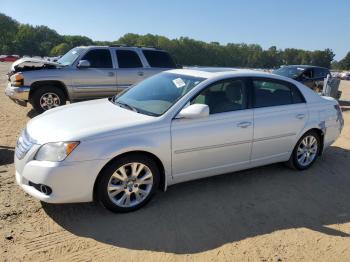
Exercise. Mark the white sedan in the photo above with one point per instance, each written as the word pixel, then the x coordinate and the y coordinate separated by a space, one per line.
pixel 176 126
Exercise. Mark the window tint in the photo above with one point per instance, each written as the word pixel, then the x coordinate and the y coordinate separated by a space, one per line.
pixel 99 58
pixel 128 59
pixel 321 72
pixel 224 96
pixel 159 59
pixel 307 74
pixel 271 93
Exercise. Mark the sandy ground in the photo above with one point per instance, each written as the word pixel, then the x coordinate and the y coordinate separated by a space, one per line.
pixel 264 214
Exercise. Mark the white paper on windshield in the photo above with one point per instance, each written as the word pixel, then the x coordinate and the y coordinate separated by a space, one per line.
pixel 178 82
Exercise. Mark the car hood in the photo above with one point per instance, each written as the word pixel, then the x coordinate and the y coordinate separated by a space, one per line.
pixel 82 120
pixel 32 63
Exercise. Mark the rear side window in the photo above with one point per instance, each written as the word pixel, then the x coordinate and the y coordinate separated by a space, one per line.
pixel 275 93
pixel 159 59
pixel 321 72
pixel 99 58
pixel 128 59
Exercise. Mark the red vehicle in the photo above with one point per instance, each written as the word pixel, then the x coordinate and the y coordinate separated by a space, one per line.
pixel 8 58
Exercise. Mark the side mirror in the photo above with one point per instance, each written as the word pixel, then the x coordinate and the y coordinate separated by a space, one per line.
pixel 194 111
pixel 83 64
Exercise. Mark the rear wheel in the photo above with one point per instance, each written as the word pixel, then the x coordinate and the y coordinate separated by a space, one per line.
pixel 306 151
pixel 46 98
pixel 128 183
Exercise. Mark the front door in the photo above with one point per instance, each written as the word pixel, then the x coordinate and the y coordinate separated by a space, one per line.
pixel 99 80
pixel 219 143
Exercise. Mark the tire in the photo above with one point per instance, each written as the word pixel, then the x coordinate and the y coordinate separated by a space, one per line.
pixel 305 154
pixel 54 95
pixel 120 193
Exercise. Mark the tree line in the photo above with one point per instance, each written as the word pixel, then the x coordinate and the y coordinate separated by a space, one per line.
pixel 24 39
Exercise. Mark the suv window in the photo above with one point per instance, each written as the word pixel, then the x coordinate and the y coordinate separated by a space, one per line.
pixel 224 96
pixel 128 59
pixel 99 58
pixel 321 72
pixel 275 93
pixel 159 59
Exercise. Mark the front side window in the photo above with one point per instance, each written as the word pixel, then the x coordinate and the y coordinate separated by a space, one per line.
pixel 99 58
pixel 70 56
pixel 271 93
pixel 224 96
pixel 159 59
pixel 155 95
pixel 128 59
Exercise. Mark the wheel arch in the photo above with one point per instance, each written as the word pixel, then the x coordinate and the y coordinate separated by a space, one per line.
pixel 321 133
pixel 41 83
pixel 162 181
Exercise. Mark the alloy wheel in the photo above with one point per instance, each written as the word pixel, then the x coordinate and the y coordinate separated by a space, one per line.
pixel 130 184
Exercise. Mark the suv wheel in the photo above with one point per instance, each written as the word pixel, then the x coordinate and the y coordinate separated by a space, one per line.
pixel 46 98
pixel 306 151
pixel 128 183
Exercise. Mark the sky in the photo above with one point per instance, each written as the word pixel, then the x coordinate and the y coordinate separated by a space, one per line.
pixel 311 24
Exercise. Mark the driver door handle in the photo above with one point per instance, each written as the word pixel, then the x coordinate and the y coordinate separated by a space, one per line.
pixel 300 116
pixel 140 73
pixel 244 124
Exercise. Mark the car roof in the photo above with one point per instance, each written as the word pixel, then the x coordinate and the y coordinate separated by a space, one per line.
pixel 122 46
pixel 304 66
pixel 214 72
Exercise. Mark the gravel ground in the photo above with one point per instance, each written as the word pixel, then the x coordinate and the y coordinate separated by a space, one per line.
pixel 270 213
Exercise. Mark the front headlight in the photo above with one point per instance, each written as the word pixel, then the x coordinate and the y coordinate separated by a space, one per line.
pixel 55 152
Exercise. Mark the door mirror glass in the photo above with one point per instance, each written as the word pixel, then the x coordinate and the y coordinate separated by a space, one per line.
pixel 194 111
pixel 83 64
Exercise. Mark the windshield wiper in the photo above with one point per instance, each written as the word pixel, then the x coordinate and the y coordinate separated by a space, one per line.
pixel 124 105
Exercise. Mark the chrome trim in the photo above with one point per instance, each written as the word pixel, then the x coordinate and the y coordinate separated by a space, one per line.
pixel 24 144
pixel 17 92
pixel 273 137
pixel 181 151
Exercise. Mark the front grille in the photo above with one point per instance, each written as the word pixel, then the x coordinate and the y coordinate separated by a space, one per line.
pixel 24 144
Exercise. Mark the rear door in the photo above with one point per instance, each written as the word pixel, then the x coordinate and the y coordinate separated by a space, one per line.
pixel 130 68
pixel 99 80
pixel 280 113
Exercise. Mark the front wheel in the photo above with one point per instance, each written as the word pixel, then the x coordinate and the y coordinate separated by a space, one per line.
pixel 128 183
pixel 306 151
pixel 46 98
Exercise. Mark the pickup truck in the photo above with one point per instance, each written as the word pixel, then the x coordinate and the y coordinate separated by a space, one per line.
pixel 83 73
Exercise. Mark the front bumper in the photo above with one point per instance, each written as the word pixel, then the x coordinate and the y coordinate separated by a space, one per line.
pixel 70 182
pixel 19 94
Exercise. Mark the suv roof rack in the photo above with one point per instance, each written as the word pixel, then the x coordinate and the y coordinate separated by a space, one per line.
pixel 138 46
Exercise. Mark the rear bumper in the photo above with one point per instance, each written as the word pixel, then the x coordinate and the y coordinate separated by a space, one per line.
pixel 19 94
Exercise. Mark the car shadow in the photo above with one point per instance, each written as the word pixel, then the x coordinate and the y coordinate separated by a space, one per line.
pixel 205 214
pixel 32 113
pixel 6 155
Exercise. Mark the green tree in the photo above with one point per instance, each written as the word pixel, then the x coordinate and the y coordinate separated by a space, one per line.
pixel 8 30
pixel 60 49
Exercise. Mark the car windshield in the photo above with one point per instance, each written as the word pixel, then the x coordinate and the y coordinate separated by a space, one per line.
pixel 291 72
pixel 155 95
pixel 70 56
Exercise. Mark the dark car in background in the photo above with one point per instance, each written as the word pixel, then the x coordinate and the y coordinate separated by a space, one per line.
pixel 311 76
